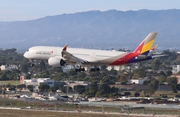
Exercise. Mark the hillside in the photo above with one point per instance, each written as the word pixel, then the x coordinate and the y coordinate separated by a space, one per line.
pixel 94 29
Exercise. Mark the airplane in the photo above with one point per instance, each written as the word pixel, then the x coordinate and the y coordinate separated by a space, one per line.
pixel 91 58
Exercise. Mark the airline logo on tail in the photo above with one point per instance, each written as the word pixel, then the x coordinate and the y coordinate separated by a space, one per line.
pixel 141 53
pixel 146 45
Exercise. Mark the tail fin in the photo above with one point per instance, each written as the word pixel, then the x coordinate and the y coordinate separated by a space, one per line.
pixel 146 45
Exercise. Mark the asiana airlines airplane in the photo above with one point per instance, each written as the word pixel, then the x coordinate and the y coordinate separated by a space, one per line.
pixel 91 58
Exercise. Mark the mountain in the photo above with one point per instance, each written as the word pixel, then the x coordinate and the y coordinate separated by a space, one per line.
pixel 94 29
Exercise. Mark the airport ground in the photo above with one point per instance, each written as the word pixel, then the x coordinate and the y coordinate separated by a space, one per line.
pixel 51 113
pixel 17 108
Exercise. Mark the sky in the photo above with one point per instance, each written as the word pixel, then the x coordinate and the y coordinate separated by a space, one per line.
pixel 21 10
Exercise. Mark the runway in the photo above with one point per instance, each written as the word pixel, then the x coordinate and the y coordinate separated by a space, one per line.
pixel 93 113
pixel 130 104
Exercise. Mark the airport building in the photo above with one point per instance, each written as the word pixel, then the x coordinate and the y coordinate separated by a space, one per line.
pixel 36 82
pixel 86 84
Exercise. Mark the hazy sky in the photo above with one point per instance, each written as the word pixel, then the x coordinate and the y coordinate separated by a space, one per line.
pixel 13 10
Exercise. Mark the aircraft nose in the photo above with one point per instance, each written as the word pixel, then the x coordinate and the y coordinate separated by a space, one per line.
pixel 26 55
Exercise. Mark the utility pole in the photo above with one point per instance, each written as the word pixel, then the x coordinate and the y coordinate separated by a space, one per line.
pixel 159 88
pixel 2 87
pixel 67 86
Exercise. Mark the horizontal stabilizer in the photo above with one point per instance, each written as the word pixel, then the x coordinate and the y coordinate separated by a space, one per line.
pixel 155 56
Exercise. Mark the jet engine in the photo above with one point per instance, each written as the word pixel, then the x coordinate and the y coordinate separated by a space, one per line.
pixel 56 62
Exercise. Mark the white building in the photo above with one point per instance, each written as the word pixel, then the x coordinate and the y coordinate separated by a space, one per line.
pixel 175 69
pixel 36 82
pixel 75 83
pixel 120 67
pixel 8 67
pixel 136 81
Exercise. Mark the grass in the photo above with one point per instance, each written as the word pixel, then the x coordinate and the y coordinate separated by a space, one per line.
pixel 157 94
pixel 169 94
pixel 29 113
pixel 12 82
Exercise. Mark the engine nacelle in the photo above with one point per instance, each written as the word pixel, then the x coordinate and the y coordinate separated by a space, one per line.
pixel 56 62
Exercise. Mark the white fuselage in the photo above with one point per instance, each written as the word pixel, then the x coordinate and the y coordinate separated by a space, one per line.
pixel 91 55
pixel 58 56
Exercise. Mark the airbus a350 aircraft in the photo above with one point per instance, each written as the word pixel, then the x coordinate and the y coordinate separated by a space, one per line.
pixel 60 56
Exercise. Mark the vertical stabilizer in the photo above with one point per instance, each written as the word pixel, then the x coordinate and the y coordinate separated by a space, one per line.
pixel 146 45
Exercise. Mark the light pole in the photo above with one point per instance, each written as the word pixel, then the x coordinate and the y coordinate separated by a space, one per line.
pixel 2 87
pixel 17 80
pixel 102 109
pixel 159 88
pixel 67 86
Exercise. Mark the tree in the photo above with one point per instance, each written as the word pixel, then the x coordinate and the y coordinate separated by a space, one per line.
pixel 24 67
pixel 171 56
pixel 112 72
pixel 156 64
pixel 60 76
pixel 177 60
pixel 172 81
pixel 127 93
pixel 123 78
pixel 109 79
pixel 161 79
pixel 146 82
pixel 103 68
pixel 139 73
pixel 178 87
pixel 42 65
pixel 8 85
pixel 54 89
pixel 53 70
pixel 64 89
pixel 104 90
pixel 136 94
pixel 153 85
pixel 21 86
pixel 81 75
pixel 44 74
pixel 43 87
pixel 30 88
pixel 105 79
pixel 80 89
pixel 177 96
pixel 91 92
pixel 12 88
pixel 161 73
pixel 72 73
pixel 168 73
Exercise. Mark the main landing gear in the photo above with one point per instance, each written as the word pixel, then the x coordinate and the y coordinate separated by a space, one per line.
pixel 31 62
pixel 94 69
pixel 79 68
pixel 82 69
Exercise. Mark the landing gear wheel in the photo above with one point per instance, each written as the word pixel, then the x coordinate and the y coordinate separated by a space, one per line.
pixel 80 69
pixel 94 69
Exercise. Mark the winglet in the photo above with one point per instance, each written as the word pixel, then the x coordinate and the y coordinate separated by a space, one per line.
pixel 65 47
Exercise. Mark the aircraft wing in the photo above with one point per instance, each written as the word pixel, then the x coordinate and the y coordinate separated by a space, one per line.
pixel 70 57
